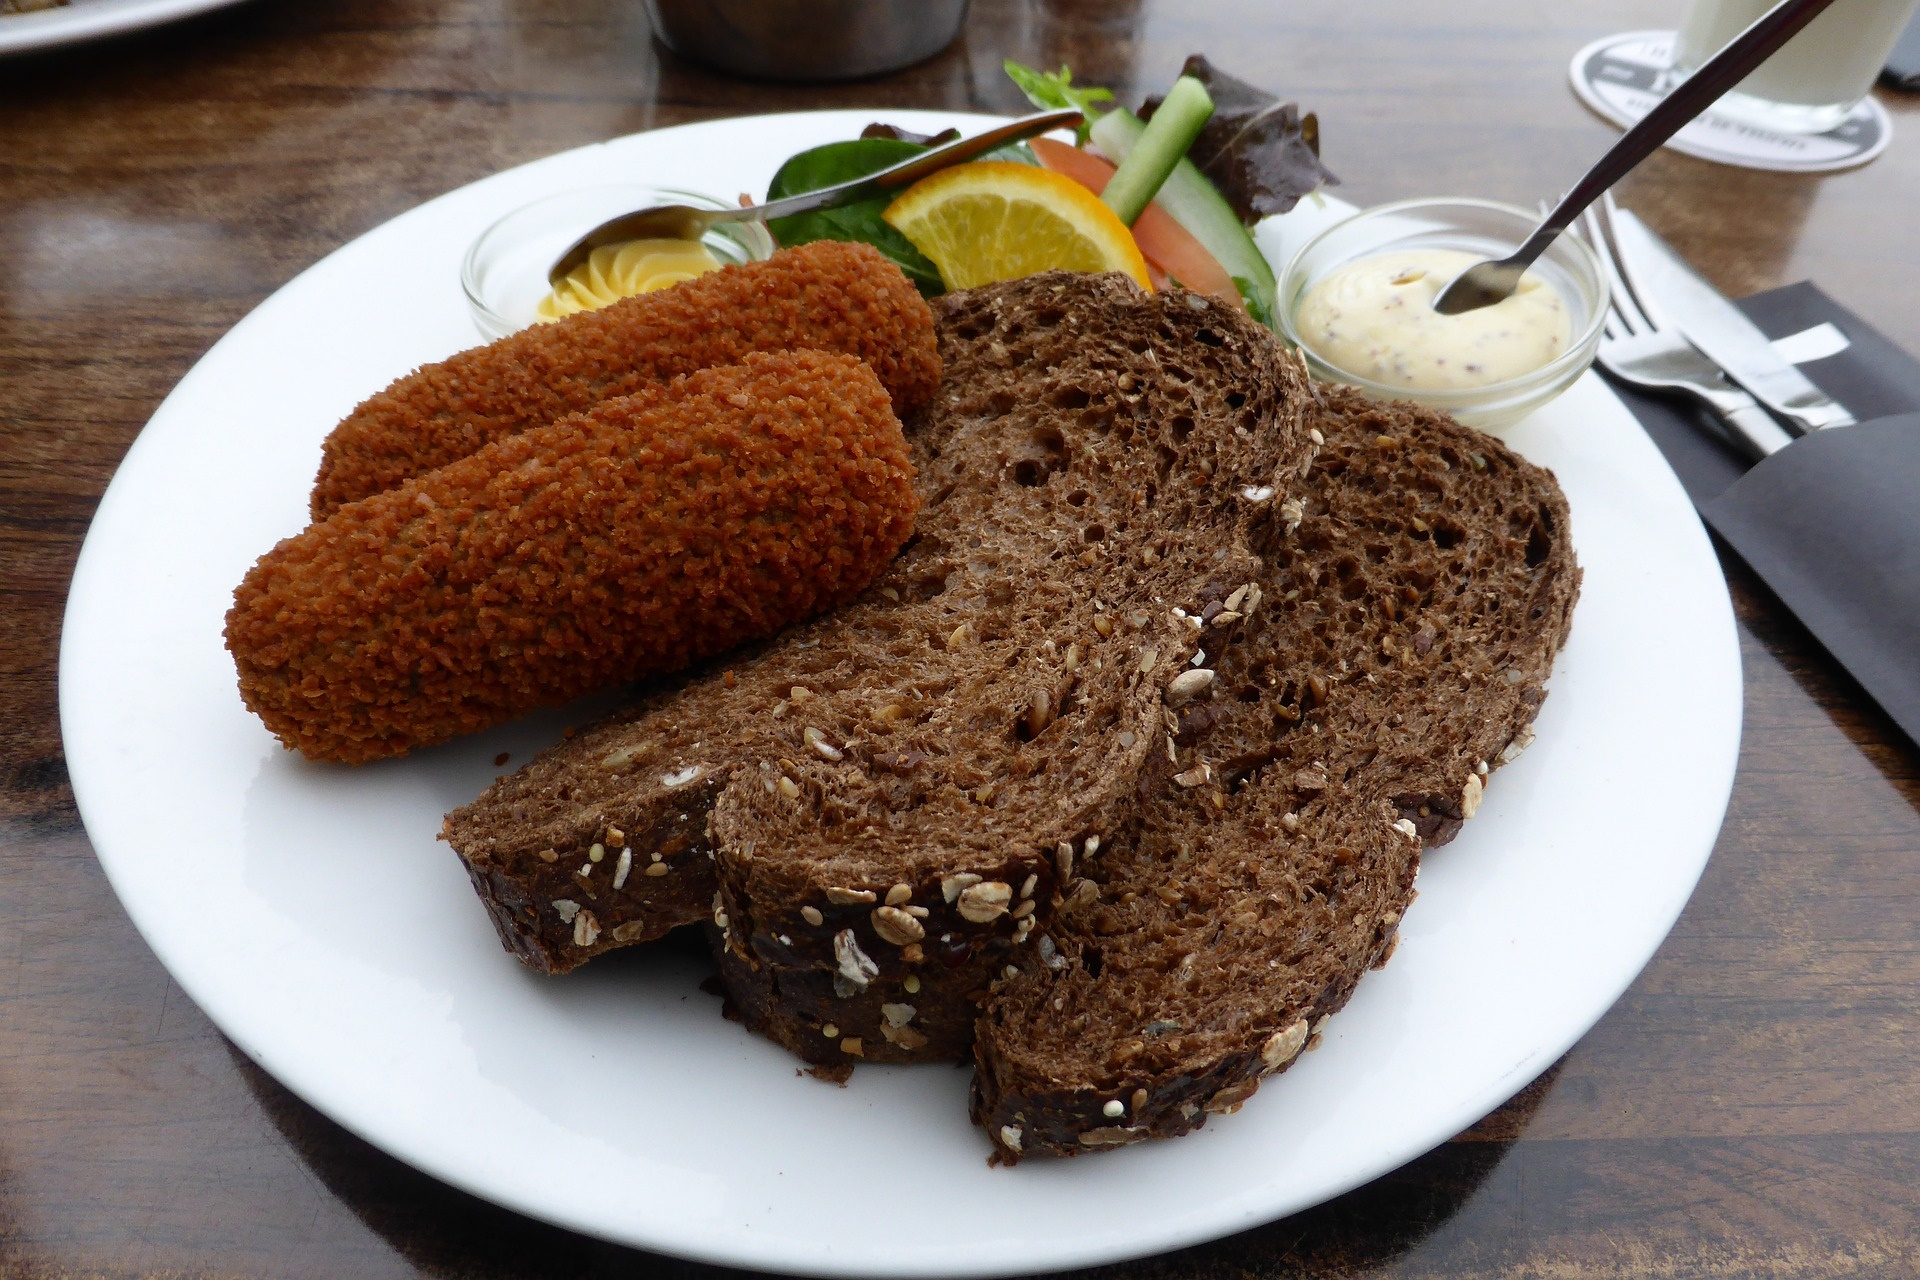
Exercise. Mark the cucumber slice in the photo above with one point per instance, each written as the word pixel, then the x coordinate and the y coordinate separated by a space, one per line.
pixel 1163 144
pixel 1195 205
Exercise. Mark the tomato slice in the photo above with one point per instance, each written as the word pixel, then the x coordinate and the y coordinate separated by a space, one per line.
pixel 1169 248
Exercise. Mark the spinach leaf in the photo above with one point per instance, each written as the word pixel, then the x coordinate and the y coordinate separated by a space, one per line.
pixel 899 134
pixel 843 162
pixel 1261 153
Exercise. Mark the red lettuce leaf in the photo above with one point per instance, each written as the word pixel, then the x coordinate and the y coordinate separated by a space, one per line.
pixel 1260 152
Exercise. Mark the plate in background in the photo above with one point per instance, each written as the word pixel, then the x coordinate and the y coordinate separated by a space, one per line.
pixel 91 20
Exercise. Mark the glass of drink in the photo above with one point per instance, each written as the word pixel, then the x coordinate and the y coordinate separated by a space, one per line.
pixel 1815 79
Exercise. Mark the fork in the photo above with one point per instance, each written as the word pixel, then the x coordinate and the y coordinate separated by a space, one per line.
pixel 1635 349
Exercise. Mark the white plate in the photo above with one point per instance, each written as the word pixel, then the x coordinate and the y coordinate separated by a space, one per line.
pixel 312 914
pixel 91 19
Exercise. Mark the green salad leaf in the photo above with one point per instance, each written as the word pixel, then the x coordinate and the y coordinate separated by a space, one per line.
pixel 1055 91
pixel 843 162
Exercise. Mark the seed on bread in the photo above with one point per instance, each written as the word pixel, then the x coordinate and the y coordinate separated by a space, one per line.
pixel 952 886
pixel 1232 1098
pixel 896 926
pixel 985 902
pixel 1198 776
pixel 851 897
pixel 1188 685
pixel 586 929
pixel 811 914
pixel 1470 795
pixel 1283 1046
pixel 1111 1136
pixel 856 967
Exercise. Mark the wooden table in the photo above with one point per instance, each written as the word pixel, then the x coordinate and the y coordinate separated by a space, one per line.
pixel 1752 1106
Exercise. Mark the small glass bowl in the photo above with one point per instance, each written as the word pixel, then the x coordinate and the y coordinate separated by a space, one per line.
pixel 504 274
pixel 1485 229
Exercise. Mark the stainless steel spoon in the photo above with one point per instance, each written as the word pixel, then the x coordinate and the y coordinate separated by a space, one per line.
pixel 683 222
pixel 1485 283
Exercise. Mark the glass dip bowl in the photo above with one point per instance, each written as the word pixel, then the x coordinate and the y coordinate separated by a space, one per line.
pixel 1486 230
pixel 504 274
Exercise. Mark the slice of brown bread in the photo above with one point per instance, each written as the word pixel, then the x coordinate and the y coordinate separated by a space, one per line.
pixel 1097 460
pixel 1417 596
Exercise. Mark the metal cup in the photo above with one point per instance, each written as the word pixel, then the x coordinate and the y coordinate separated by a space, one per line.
pixel 807 39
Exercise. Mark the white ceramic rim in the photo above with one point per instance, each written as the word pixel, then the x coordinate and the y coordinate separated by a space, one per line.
pixel 1552 917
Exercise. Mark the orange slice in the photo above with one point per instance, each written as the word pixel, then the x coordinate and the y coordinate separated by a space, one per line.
pixel 993 220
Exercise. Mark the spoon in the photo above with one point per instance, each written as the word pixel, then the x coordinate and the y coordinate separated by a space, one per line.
pixel 1485 283
pixel 684 222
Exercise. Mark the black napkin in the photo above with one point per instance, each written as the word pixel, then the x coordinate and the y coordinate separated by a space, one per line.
pixel 1831 522
pixel 1903 64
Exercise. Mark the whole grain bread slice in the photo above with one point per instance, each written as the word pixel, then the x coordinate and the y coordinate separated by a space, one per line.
pixel 883 788
pixel 1418 593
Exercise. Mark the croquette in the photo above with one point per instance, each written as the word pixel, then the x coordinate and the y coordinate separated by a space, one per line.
pixel 637 538
pixel 826 295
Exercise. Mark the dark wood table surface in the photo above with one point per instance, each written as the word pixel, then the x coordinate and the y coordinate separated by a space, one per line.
pixel 1750 1107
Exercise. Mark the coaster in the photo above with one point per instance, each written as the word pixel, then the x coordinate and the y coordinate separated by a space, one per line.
pixel 1623 76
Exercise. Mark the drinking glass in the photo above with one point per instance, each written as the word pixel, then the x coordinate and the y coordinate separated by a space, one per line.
pixel 1815 79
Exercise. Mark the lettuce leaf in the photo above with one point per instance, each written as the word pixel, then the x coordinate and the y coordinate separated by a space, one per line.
pixel 843 162
pixel 1261 153
pixel 1055 91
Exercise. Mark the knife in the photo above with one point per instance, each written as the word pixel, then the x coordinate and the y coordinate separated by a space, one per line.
pixel 1666 285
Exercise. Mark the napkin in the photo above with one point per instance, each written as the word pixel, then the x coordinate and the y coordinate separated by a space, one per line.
pixel 1832 522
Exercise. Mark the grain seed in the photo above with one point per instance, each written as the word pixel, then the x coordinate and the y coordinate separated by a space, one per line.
pixel 586 929
pixel 856 966
pixel 951 886
pixel 1188 685
pixel 985 902
pixel 1283 1046
pixel 896 926
pixel 1470 796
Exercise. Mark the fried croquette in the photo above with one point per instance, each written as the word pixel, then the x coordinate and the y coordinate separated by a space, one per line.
pixel 826 295
pixel 637 538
